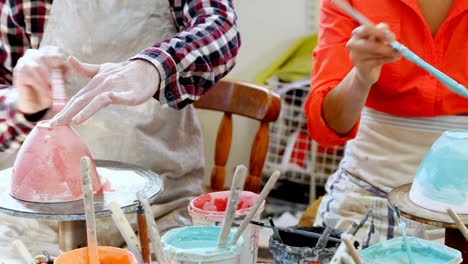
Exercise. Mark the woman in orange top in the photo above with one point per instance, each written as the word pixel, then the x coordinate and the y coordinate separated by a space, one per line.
pixel 389 109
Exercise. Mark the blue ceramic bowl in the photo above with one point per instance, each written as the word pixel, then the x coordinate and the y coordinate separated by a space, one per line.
pixel 442 178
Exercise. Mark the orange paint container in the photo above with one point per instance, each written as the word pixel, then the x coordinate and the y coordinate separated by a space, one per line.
pixel 107 255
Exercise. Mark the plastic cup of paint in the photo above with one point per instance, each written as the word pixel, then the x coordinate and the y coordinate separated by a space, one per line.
pixel 297 249
pixel 423 251
pixel 107 255
pixel 198 245
pixel 209 209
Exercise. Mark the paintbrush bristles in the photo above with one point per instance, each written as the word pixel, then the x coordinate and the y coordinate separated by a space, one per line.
pixel 152 228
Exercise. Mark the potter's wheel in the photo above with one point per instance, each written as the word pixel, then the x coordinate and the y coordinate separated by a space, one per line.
pixel 400 197
pixel 125 181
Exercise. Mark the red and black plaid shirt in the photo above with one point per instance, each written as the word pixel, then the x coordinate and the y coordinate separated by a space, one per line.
pixel 209 38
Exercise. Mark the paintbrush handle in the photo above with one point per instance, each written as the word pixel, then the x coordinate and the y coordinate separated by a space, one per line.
pixel 461 226
pixel 262 196
pixel 143 232
pixel 88 198
pixel 153 232
pixel 59 98
pixel 443 78
pixel 23 252
pixel 351 250
pixel 125 229
pixel 237 186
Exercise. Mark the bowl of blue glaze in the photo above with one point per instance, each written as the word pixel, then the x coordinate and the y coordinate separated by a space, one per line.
pixel 393 252
pixel 442 178
pixel 198 245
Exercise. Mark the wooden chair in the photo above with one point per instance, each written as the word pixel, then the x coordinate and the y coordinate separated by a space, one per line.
pixel 246 99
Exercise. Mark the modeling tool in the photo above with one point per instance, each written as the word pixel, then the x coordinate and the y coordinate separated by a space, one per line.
pixel 351 249
pixel 276 234
pixel 303 233
pixel 443 78
pixel 352 227
pixel 125 229
pixel 237 186
pixel 23 252
pixel 88 198
pixel 367 236
pixel 402 229
pixel 143 232
pixel 261 197
pixel 461 226
pixel 153 232
pixel 59 99
pixel 361 223
pixel 323 240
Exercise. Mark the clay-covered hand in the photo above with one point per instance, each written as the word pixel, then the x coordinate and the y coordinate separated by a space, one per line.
pixel 32 78
pixel 127 83
pixel 369 51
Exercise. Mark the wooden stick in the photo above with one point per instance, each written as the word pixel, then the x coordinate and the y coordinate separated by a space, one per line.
pixel 88 198
pixel 143 232
pixel 351 250
pixel 262 196
pixel 125 229
pixel 461 226
pixel 238 182
pixel 23 251
pixel 153 232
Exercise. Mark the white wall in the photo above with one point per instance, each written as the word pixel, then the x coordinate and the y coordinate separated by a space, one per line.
pixel 268 28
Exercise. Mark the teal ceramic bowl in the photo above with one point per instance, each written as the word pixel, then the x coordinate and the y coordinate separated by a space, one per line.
pixel 393 252
pixel 442 178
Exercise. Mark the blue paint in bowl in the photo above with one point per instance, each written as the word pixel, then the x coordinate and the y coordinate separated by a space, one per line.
pixel 393 252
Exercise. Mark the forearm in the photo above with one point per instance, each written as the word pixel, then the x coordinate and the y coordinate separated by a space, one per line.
pixel 342 106
pixel 197 57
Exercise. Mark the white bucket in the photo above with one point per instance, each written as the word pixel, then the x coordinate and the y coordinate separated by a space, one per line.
pixel 208 209
pixel 197 245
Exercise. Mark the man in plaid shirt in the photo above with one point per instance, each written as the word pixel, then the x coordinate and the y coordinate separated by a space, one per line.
pixel 208 31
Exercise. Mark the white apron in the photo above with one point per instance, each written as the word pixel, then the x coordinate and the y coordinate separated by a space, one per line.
pixel 162 139
pixel 385 154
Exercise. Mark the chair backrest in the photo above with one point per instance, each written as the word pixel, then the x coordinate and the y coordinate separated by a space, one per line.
pixel 246 99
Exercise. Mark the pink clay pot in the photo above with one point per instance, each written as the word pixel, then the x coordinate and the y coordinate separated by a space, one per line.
pixel 48 168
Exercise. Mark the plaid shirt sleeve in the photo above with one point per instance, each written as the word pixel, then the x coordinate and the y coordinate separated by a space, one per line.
pixel 199 55
pixel 21 27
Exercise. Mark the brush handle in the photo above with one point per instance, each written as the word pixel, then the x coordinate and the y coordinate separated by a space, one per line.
pixel 461 226
pixel 125 229
pixel 153 232
pixel 351 250
pixel 443 78
pixel 59 98
pixel 88 198
pixel 237 186
pixel 143 232
pixel 23 251
pixel 262 196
